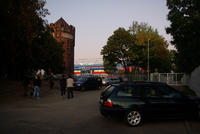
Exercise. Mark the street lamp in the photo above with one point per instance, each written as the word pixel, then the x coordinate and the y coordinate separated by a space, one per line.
pixel 148 60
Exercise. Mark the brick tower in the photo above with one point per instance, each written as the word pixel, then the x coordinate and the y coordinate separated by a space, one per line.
pixel 65 33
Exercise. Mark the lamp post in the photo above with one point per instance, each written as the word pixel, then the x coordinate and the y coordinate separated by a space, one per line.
pixel 148 60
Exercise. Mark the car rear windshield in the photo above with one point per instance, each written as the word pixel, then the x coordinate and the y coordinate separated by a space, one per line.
pixel 82 79
pixel 108 90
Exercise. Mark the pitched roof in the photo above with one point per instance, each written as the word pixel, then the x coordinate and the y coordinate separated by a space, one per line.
pixel 61 20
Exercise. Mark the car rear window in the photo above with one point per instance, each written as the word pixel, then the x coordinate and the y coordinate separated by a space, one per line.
pixel 168 92
pixel 108 90
pixel 82 79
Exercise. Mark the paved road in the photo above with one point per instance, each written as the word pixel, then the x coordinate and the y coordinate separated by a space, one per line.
pixel 53 114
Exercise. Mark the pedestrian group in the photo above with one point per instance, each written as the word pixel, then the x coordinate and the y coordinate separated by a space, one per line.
pixel 65 84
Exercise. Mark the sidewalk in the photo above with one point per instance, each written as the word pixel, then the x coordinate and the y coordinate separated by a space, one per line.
pixel 13 92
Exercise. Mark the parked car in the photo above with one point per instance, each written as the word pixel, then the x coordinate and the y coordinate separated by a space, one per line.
pixel 110 80
pixel 88 82
pixel 138 100
pixel 76 78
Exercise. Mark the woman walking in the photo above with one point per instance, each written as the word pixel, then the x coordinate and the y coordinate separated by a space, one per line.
pixel 70 86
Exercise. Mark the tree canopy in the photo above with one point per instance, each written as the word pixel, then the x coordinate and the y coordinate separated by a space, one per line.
pixel 184 16
pixel 130 47
pixel 159 57
pixel 117 49
pixel 26 42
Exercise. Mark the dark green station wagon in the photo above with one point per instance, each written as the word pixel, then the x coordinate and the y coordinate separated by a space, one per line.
pixel 136 101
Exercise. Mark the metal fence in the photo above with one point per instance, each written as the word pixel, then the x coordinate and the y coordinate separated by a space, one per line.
pixel 169 78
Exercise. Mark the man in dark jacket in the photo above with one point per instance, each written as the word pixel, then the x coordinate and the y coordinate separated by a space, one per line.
pixel 51 80
pixel 63 85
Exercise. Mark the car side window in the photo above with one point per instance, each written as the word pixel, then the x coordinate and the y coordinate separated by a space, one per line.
pixel 128 91
pixel 151 91
pixel 136 92
pixel 168 92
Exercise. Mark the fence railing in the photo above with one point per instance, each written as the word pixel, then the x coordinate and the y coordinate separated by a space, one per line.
pixel 169 78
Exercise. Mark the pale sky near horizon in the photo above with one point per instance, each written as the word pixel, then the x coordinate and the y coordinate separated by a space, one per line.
pixel 95 21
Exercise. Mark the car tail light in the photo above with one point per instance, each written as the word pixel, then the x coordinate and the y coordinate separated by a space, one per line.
pixel 108 103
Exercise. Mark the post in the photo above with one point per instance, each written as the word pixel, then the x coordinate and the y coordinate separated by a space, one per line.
pixel 148 60
pixel 167 78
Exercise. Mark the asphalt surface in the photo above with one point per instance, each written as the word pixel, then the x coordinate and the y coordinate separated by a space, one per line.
pixel 53 114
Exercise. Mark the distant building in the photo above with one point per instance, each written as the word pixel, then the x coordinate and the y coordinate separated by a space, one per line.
pixel 65 33
pixel 98 69
pixel 95 69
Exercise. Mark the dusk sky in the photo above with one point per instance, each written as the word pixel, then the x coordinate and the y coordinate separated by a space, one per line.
pixel 95 21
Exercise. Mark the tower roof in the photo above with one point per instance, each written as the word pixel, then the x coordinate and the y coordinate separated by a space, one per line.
pixel 61 20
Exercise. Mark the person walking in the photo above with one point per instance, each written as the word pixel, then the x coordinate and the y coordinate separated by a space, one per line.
pixel 70 86
pixel 37 84
pixel 63 85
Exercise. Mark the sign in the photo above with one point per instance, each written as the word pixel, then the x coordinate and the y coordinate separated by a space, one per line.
pixel 66 35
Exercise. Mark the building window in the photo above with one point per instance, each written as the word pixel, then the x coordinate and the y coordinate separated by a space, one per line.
pixel 57 28
pixel 62 29
pixel 65 30
pixel 68 47
pixel 68 42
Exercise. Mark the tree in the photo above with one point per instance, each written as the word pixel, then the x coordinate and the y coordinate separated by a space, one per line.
pixel 47 53
pixel 109 65
pixel 131 48
pixel 25 38
pixel 172 56
pixel 184 16
pixel 117 49
pixel 159 55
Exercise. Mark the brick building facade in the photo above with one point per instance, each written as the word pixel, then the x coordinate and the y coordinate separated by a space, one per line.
pixel 65 33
